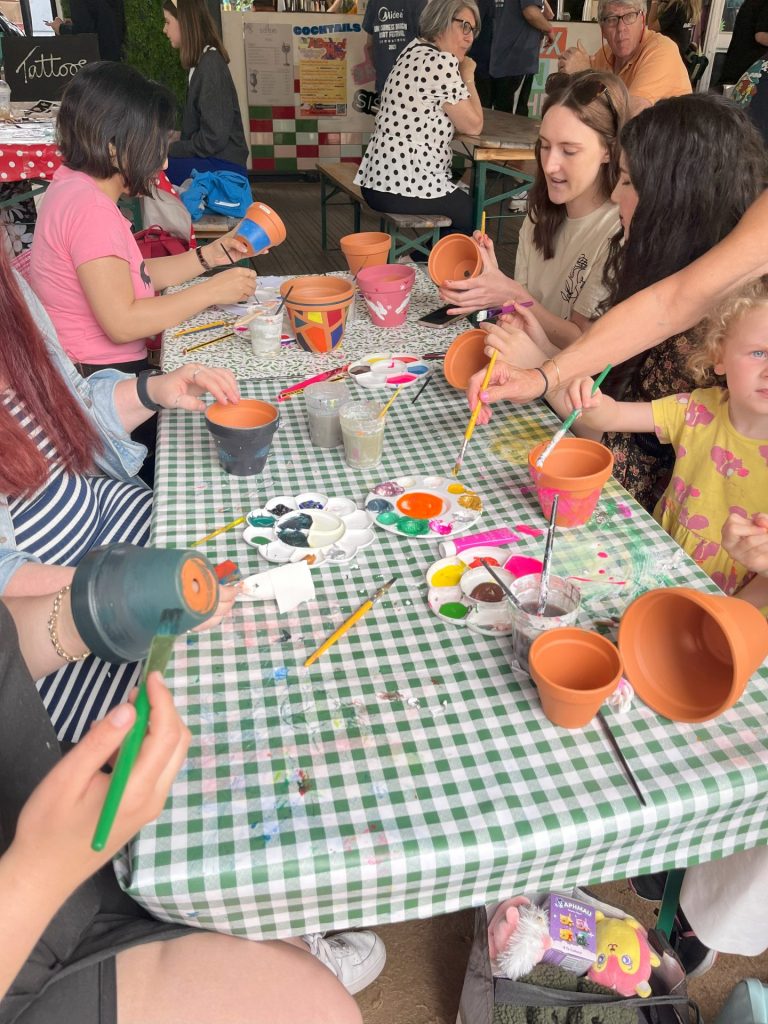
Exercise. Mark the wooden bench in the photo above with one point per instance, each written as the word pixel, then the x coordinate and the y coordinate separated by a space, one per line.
pixel 339 179
pixel 213 225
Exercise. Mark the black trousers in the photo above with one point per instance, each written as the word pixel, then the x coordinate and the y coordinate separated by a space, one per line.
pixel 499 93
pixel 457 205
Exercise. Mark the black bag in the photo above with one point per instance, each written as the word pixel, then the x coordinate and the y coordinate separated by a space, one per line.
pixel 669 1003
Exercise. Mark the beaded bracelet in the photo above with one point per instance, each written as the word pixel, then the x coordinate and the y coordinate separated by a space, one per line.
pixel 203 261
pixel 53 628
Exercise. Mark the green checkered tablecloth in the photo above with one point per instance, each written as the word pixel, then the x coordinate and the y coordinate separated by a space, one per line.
pixel 410 771
pixel 361 338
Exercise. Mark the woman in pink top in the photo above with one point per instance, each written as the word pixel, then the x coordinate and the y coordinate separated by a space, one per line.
pixel 86 267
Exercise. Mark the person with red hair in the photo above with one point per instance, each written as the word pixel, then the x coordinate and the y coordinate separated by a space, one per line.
pixel 68 475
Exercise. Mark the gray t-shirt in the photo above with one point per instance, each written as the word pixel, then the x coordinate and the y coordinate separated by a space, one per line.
pixel 516 44
pixel 392 24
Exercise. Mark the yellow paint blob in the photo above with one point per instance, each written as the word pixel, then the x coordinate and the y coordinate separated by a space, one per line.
pixel 448 576
pixel 471 501
pixel 455 488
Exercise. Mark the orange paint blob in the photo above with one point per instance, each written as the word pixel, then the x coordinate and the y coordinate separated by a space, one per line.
pixel 420 505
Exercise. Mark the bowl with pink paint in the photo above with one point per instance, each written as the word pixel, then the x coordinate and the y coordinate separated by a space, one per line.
pixel 387 292
pixel 576 470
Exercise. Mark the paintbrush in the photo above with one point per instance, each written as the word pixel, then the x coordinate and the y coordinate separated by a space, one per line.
pixel 547 565
pixel 421 388
pixel 385 410
pixel 364 608
pixel 284 299
pixel 287 392
pixel 487 314
pixel 515 600
pixel 204 344
pixel 215 533
pixel 227 253
pixel 157 659
pixel 614 743
pixel 569 421
pixel 202 327
pixel 473 418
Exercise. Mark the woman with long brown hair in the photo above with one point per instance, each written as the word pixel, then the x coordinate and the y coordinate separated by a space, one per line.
pixel 212 136
pixel 564 240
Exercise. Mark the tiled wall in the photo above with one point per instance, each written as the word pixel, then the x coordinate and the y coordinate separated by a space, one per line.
pixel 283 142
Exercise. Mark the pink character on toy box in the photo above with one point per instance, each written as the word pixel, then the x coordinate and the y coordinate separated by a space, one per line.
pixel 570 948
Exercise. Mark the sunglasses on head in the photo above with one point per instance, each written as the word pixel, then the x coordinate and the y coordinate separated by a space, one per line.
pixel 584 90
pixel 467 28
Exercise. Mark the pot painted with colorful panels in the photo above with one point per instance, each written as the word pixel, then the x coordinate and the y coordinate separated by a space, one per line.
pixel 423 507
pixel 388 370
pixel 318 308
pixel 309 527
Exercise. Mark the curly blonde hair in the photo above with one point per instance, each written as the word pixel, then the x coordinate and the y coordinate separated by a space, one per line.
pixel 710 337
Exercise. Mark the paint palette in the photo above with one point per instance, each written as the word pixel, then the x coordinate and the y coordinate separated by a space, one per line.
pixel 309 527
pixel 425 507
pixel 387 370
pixel 462 592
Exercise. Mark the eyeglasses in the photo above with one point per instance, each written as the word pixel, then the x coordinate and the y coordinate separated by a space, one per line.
pixel 612 20
pixel 467 28
pixel 584 87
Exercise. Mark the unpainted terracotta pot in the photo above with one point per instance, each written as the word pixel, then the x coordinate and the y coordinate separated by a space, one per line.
pixel 261 228
pixel 318 307
pixel 574 671
pixel 689 654
pixel 576 469
pixel 243 434
pixel 365 249
pixel 453 258
pixel 465 356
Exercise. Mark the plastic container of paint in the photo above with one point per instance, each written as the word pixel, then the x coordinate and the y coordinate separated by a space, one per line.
pixel 323 402
pixel 490 538
pixel 562 610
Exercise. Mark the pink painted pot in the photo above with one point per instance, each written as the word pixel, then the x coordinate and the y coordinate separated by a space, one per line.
pixel 387 292
pixel 576 469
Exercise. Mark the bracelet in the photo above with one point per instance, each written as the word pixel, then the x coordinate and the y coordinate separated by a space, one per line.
pixel 557 371
pixel 141 390
pixel 546 382
pixel 203 261
pixel 53 628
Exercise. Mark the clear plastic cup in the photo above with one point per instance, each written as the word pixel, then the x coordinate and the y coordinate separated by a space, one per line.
pixel 562 610
pixel 362 431
pixel 266 329
pixel 323 402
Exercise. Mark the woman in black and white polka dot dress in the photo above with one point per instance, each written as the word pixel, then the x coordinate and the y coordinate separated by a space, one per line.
pixel 429 94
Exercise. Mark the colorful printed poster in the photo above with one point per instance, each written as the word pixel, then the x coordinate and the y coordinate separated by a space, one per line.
pixel 323 76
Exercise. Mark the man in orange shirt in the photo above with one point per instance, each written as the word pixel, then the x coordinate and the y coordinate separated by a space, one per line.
pixel 648 63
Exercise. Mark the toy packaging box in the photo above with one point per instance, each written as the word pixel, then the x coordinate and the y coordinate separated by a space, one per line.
pixel 572 931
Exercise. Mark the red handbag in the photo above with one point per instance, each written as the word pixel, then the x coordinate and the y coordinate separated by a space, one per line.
pixel 154 242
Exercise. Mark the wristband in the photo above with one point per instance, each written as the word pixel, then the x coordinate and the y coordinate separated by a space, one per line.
pixel 141 389
pixel 203 261
pixel 546 382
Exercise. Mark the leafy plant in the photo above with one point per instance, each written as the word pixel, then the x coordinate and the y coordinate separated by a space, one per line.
pixel 147 49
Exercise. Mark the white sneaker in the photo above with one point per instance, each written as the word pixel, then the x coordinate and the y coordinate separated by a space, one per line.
pixel 356 958
pixel 520 204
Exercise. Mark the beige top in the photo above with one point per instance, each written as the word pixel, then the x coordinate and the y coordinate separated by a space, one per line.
pixel 573 278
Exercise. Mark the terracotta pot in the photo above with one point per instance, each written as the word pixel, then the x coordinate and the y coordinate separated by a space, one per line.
pixel 574 671
pixel 387 293
pixel 689 654
pixel 261 228
pixel 318 308
pixel 465 356
pixel 243 434
pixel 453 258
pixel 366 249
pixel 576 470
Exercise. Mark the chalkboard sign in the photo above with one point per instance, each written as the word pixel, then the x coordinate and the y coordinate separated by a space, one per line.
pixel 38 67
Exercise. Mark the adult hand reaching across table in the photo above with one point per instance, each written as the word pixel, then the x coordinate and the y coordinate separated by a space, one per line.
pixel 506 382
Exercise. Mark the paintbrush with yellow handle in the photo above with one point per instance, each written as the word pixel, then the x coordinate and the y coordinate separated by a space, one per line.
pixel 473 418
pixel 364 608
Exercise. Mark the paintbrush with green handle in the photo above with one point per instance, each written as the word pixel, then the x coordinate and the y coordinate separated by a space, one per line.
pixel 157 660
pixel 569 421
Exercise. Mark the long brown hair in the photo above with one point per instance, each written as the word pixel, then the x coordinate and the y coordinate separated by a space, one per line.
pixel 600 101
pixel 27 370
pixel 198 30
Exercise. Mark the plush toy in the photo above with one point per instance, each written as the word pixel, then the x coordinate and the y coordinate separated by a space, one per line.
pixel 624 958
pixel 517 936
